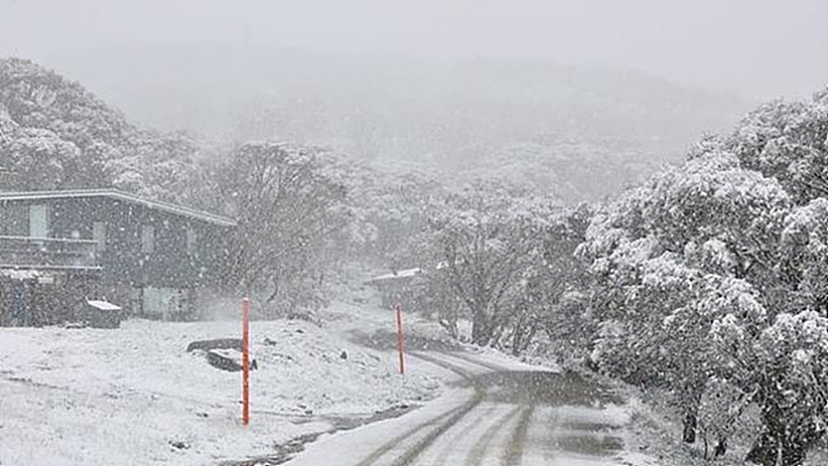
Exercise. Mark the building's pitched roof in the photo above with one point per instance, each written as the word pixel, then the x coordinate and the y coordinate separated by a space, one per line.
pixel 398 275
pixel 121 196
pixel 404 275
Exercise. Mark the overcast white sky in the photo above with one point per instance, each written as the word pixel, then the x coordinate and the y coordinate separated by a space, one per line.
pixel 763 48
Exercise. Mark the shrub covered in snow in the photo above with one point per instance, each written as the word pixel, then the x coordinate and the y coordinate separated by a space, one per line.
pixel 710 280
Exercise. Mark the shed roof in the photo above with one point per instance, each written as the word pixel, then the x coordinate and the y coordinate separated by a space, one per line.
pixel 400 274
pixel 103 305
pixel 121 196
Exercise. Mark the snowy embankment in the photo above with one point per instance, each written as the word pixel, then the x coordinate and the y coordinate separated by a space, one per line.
pixel 135 396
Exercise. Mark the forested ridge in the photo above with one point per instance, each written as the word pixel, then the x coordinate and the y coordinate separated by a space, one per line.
pixel 55 135
pixel 707 279
pixel 578 133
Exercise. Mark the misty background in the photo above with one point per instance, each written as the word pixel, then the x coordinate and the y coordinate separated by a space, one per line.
pixel 593 94
pixel 432 156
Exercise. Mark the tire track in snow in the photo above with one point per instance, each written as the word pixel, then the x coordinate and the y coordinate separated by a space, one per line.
pixel 467 369
pixel 412 453
pixel 549 452
pixel 445 452
pixel 478 452
pixel 390 445
pixel 484 364
pixel 514 449
pixel 443 422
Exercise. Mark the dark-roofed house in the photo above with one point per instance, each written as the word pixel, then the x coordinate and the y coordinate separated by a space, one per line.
pixel 151 258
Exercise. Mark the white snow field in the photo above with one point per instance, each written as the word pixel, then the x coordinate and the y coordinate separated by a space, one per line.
pixel 134 395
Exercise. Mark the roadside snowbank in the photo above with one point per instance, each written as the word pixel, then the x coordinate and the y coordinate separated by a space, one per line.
pixel 134 395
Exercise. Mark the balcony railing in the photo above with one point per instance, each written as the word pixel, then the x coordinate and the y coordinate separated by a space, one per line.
pixel 23 252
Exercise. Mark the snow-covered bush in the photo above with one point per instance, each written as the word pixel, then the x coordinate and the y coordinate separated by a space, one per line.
pixel 792 386
pixel 674 260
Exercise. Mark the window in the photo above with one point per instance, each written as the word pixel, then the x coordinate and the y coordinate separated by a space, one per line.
pixel 147 239
pixel 14 220
pixel 99 235
pixel 191 240
pixel 38 221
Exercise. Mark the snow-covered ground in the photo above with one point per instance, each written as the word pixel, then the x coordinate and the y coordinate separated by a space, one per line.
pixel 135 396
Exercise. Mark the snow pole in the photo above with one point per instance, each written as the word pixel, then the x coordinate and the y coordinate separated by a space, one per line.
pixel 246 361
pixel 400 338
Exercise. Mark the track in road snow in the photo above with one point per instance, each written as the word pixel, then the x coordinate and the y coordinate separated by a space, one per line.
pixel 499 417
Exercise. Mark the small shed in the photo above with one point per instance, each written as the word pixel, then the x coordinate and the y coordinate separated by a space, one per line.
pixel 395 287
pixel 102 314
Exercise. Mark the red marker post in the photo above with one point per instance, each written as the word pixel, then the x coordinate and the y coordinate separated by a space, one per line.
pixel 246 361
pixel 400 338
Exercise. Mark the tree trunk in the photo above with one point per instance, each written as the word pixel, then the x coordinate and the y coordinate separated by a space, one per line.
pixel 721 447
pixel 450 325
pixel 481 329
pixel 448 320
pixel 764 450
pixel 690 424
pixel 517 338
pixel 691 399
pixel 779 446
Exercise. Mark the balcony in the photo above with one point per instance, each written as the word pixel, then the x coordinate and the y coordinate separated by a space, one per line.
pixel 22 252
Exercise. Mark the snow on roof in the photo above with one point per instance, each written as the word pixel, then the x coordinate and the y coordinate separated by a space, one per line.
pixel 20 274
pixel 408 273
pixel 121 196
pixel 103 305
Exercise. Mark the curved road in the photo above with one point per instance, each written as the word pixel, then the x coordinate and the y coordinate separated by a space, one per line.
pixel 491 415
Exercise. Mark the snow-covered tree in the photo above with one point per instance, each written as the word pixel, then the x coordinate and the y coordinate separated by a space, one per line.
pixel 287 210
pixel 550 297
pixel 484 234
pixel 792 388
pixel 804 251
pixel 672 258
pixel 55 134
pixel 388 202
pixel 38 159
pixel 788 141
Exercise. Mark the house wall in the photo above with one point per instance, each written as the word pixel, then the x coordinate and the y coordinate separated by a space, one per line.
pixel 132 275
pixel 169 303
pixel 14 219
pixel 395 291
pixel 169 263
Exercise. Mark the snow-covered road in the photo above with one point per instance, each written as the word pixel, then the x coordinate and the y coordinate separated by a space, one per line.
pixel 494 413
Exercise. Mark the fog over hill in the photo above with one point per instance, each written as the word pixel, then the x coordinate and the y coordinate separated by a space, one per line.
pixel 419 231
pixel 589 130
